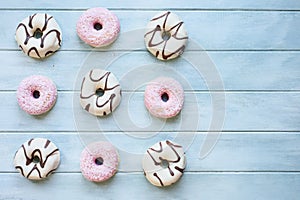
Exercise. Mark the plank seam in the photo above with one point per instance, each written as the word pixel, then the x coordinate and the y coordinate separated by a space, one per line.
pixel 70 132
pixel 185 172
pixel 157 9
pixel 296 91
pixel 144 50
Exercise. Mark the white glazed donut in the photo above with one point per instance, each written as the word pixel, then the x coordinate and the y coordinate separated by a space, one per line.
pixel 166 36
pixel 39 35
pixel 164 163
pixel 37 158
pixel 100 92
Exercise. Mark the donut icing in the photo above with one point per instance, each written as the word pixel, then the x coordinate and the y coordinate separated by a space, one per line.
pixel 36 85
pixel 48 158
pixel 166 36
pixel 99 161
pixel 100 105
pixel 164 152
pixel 50 35
pixel 156 92
pixel 107 31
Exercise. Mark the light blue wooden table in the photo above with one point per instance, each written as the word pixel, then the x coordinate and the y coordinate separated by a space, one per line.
pixel 255 48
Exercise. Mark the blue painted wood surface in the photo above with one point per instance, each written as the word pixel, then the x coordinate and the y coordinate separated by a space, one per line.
pixel 254 46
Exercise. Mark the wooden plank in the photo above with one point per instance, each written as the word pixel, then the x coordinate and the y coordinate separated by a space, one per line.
pixel 156 4
pixel 235 186
pixel 239 70
pixel 251 152
pixel 244 111
pixel 226 30
pixel 255 48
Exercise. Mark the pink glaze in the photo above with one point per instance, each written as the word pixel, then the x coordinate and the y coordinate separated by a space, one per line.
pixel 34 105
pixel 98 38
pixel 154 93
pixel 95 172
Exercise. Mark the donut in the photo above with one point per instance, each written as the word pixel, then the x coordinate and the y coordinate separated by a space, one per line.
pixel 98 27
pixel 37 158
pixel 39 35
pixel 100 92
pixel 164 163
pixel 164 97
pixel 36 94
pixel 166 36
pixel 99 161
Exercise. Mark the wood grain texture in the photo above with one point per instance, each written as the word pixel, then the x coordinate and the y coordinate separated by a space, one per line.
pixel 239 70
pixel 156 4
pixel 246 152
pixel 244 111
pixel 233 186
pixel 240 30
pixel 253 46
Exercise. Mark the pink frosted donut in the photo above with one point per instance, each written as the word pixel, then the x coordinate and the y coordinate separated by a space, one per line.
pixel 98 27
pixel 164 97
pixel 36 94
pixel 99 161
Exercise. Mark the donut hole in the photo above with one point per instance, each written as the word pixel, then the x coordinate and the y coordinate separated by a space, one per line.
pixel 99 161
pixel 166 35
pixel 36 159
pixel 36 94
pixel 98 26
pixel 165 97
pixel 99 92
pixel 164 163
pixel 37 33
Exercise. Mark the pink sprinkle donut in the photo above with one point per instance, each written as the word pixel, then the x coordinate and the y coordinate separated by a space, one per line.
pixel 98 27
pixel 99 161
pixel 164 97
pixel 36 94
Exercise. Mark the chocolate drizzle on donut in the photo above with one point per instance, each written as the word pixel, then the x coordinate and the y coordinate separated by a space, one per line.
pixel 29 159
pixel 179 169
pixel 36 153
pixel 30 34
pixel 158 29
pixel 26 32
pixel 21 48
pixel 106 76
pixel 172 146
pixel 87 107
pixel 160 181
pixel 164 15
pixel 29 142
pixel 47 144
pixel 34 168
pixel 30 20
pixel 110 100
pixel 46 22
pixel 48 53
pixel 21 169
pixel 57 36
pixel 160 148
pixel 35 50
pixel 50 172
